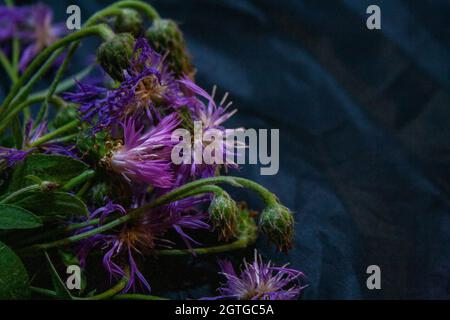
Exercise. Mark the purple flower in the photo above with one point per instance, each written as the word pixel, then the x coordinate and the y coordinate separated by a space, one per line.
pixel 140 237
pixel 259 281
pixel 10 18
pixel 105 211
pixel 37 32
pixel 159 85
pixel 144 157
pixel 9 156
pixel 147 84
pixel 32 25
pixel 211 116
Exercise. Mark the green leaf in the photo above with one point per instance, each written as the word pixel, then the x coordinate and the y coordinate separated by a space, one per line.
pixel 54 168
pixel 14 281
pixel 13 217
pixel 52 204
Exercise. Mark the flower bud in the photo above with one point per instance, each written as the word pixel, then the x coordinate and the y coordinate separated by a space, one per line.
pixel 47 186
pixel 114 55
pixel 166 38
pixel 223 213
pixel 277 222
pixel 129 21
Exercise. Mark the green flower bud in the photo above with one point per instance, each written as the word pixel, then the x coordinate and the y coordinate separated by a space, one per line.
pixel 223 213
pixel 129 21
pixel 166 38
pixel 114 55
pixel 277 222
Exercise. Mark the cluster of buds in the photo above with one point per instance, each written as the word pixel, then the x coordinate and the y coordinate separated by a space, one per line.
pixel 164 36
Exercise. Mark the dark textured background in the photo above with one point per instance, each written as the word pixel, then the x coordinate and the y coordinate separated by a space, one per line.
pixel 363 118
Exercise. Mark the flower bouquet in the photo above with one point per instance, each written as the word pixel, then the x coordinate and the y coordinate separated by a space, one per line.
pixel 90 192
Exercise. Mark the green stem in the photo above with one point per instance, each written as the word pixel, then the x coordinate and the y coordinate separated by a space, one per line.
pixel 8 67
pixel 108 11
pixel 67 138
pixel 44 292
pixel 241 243
pixel 149 11
pixel 23 92
pixel 34 187
pixel 65 84
pixel 104 295
pixel 15 57
pixel 176 194
pixel 78 179
pixel 108 293
pixel 101 30
pixel 84 188
pixel 16 124
pixel 44 107
pixel 17 108
pixel 49 136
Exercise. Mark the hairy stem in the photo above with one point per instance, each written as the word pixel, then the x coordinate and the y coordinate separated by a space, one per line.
pixel 176 194
pixel 100 30
pixel 78 179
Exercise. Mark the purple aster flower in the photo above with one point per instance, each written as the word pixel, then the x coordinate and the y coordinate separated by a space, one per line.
pixel 37 32
pixel 211 116
pixel 10 18
pixel 147 84
pixel 144 157
pixel 159 86
pixel 259 281
pixel 140 237
pixel 106 210
pixel 9 156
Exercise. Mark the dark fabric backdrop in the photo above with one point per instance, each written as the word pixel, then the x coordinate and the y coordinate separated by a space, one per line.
pixel 363 118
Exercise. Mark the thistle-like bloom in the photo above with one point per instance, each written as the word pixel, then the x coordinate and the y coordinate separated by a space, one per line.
pixel 144 157
pixel 32 25
pixel 147 84
pixel 141 237
pixel 259 281
pixel 38 32
pixel 211 116
pixel 10 18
